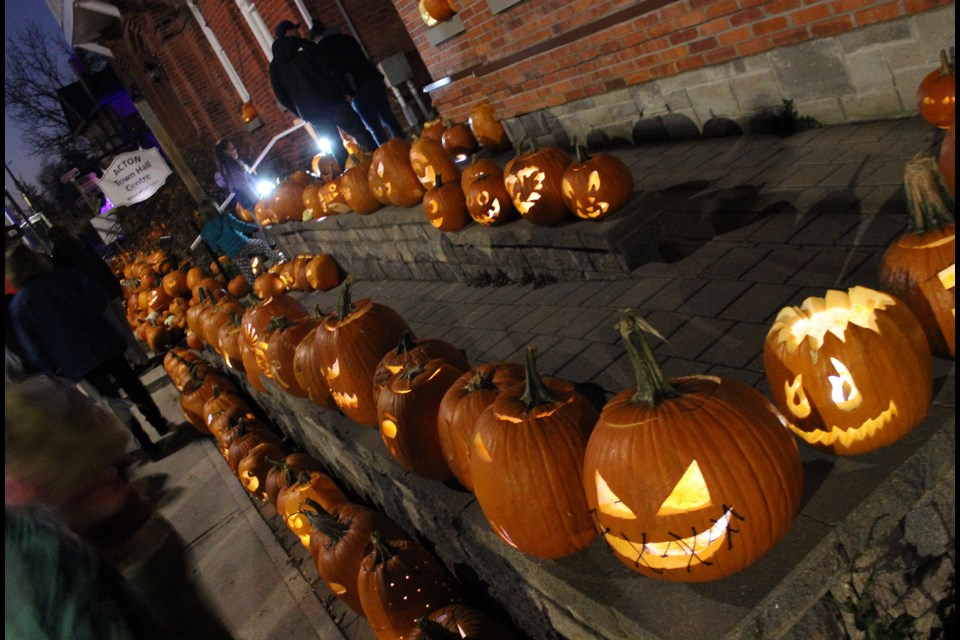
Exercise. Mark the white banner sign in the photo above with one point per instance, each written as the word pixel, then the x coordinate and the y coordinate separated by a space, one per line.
pixel 134 176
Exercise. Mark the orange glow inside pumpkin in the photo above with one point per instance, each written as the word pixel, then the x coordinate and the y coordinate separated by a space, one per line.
pixel 535 178
pixel 592 208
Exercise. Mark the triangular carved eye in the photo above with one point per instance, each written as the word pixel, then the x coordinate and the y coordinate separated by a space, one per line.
pixel 689 494
pixel 608 503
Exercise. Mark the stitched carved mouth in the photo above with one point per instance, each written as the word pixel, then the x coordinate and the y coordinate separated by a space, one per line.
pixel 677 553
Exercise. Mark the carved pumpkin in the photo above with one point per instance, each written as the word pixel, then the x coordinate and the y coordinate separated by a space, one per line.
pixel 429 159
pixel 350 343
pixel 239 287
pixel 239 446
pixel 535 183
pixel 434 129
pixel 324 167
pixel 283 472
pixel 461 407
pixel 919 268
pixel 446 206
pixel 321 273
pixel 312 204
pixel 267 285
pixel 309 372
pixel 412 351
pixel 356 190
pixel 222 410
pixel 175 283
pixel 662 472
pixel 937 94
pixel 476 168
pixel 286 200
pixel 459 142
pixel 399 581
pixel 229 340
pixel 332 199
pixel 233 425
pixel 407 408
pixel 253 468
pixel 283 338
pixel 292 500
pixel 391 174
pixel 197 392
pixel 488 201
pixel 214 317
pixel 596 186
pixel 526 463
pixel 851 371
pixel 487 129
pixel 339 542
pixel 253 326
pixel 460 621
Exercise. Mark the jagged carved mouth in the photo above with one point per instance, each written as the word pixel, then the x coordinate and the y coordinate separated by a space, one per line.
pixel 847 437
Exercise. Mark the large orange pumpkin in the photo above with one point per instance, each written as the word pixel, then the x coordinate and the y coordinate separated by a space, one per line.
pixel 390 171
pixel 445 206
pixel 487 129
pixel 689 479
pixel 356 190
pixel 596 186
pixel 429 159
pixel 535 183
pixel 488 201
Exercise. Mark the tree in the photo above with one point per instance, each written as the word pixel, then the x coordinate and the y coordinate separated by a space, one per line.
pixel 35 70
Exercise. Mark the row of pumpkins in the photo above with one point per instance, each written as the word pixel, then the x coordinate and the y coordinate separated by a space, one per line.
pixel 161 295
pixel 848 372
pixel 363 557
pixel 546 186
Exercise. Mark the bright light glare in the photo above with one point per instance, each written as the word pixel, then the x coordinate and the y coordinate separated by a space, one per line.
pixel 325 146
pixel 265 187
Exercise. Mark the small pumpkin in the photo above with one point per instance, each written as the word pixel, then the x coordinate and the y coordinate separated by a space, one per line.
pixel 488 201
pixel 322 273
pixel 458 141
pixel 445 206
pixel 238 287
pixel 476 168
pixel 919 268
pixel 355 186
pixel 937 94
pixel 391 174
pixel 253 468
pixel 596 186
pixel 850 371
pixel 434 129
pixel 526 463
pixel 689 479
pixel 429 159
pixel 175 283
pixel 487 129
pixel 439 10
pixel 284 471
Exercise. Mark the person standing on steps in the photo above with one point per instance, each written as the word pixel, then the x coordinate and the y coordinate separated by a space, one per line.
pixel 305 83
pixel 370 99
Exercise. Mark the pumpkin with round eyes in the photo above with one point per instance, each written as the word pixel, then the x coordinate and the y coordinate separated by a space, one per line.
pixel 446 206
pixel 526 462
pixel 919 268
pixel 488 201
pixel 535 183
pixel 851 371
pixel 350 343
pixel 692 516
pixel 596 186
pixel 332 201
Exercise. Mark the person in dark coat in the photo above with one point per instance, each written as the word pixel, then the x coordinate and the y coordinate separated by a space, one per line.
pixel 71 252
pixel 237 177
pixel 304 83
pixel 370 99
pixel 58 318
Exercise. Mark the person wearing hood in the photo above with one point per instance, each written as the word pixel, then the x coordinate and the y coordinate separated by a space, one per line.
pixel 226 234
pixel 370 91
pixel 305 84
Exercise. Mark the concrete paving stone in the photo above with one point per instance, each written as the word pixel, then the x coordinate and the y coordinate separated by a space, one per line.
pixel 552 358
pixel 877 173
pixel 616 377
pixel 882 199
pixel 674 295
pixel 518 344
pixel 497 316
pixel 867 274
pixel 693 338
pixel 779 265
pixel 510 294
pixel 757 365
pixel 582 322
pixel 673 367
pixel 462 338
pixel 830 266
pixel 473 313
pixel 760 303
pixel 592 358
pixel 714 297
pixel 875 230
pixel 825 229
pixel 549 294
pixel 737 346
pixel 807 175
pixel 735 262
pixel 749 378
pixel 532 321
pixel 606 293
pixel 481 342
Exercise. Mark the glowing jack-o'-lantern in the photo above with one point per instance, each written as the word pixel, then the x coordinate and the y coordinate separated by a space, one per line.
pixel 332 199
pixel 391 177
pixel 937 94
pixel 526 463
pixel 594 187
pixel 851 371
pixel 248 112
pixel 488 201
pixel 445 206
pixel 429 160
pixel 919 268
pixel 534 182
pixel 487 129
pixel 325 167
pixel 350 343
pixel 355 186
pixel 662 476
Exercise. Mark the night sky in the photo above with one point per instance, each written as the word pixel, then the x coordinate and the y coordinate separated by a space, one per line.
pixel 16 14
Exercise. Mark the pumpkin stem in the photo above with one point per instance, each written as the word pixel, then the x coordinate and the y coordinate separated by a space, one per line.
pixel 412 371
pixel 344 304
pixel 406 343
pixel 582 155
pixel 323 521
pixel 288 475
pixel 280 465
pixel 278 323
pixel 946 68
pixel 535 393
pixel 929 201
pixel 478 382
pixel 382 551
pixel 652 385
pixel 235 318
pixel 430 630
pixel 438 182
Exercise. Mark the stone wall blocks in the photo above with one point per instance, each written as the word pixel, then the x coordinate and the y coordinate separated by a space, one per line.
pixel 681 81
pixel 649 99
pixel 811 71
pixel 716 97
pixel 825 110
pixel 885 104
pixel 868 71
pixel 676 100
pixel 875 35
pixel 935 30
pixel 756 91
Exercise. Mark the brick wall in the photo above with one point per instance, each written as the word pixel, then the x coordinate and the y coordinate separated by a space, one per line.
pixel 543 53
